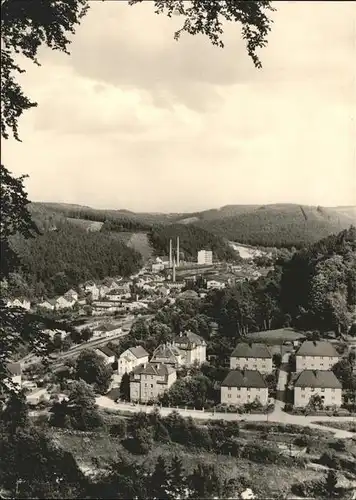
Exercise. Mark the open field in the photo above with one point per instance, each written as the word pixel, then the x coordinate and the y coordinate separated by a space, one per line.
pixel 140 243
pixel 276 337
pixel 89 225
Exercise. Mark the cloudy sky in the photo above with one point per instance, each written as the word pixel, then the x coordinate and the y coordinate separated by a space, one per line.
pixel 133 119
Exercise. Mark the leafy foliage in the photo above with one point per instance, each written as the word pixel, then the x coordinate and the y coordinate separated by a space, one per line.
pixel 91 368
pixel 79 411
pixel 205 18
pixel 31 465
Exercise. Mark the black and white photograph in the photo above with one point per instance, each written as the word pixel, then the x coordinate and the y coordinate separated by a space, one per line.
pixel 178 250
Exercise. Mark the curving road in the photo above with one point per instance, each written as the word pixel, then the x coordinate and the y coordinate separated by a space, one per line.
pixel 277 416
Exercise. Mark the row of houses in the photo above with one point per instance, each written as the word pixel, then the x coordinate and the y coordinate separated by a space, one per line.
pixel 313 375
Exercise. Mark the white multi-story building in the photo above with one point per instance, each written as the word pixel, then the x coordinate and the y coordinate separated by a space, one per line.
pixel 254 356
pixel 149 381
pixel 131 358
pixel 205 257
pixel 312 382
pixel 192 348
pixel 244 386
pixel 316 355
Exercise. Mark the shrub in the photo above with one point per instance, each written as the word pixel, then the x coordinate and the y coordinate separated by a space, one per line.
pixel 118 429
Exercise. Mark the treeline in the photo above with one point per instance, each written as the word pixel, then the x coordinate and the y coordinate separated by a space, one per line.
pixel 271 227
pixel 55 261
pixel 191 240
pixel 124 226
pixel 101 215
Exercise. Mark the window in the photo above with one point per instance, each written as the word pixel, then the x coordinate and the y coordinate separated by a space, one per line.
pixel 248 389
pixel 145 385
pixel 332 398
pixel 229 388
pixel 151 385
pixel 229 395
pixel 303 396
pixel 313 389
pixel 303 388
pixel 322 390
pixel 332 390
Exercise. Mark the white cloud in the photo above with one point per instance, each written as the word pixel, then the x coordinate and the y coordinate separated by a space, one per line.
pixel 134 119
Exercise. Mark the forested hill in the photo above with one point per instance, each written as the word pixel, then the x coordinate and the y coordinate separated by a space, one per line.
pixel 318 285
pixel 57 260
pixel 315 290
pixel 191 240
pixel 279 225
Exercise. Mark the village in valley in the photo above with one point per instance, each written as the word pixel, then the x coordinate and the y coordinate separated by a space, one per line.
pixel 178 250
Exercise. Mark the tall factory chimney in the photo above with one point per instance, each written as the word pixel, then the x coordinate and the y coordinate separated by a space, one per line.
pixel 170 253
pixel 174 271
pixel 177 251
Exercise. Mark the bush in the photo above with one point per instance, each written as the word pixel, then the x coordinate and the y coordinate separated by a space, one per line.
pixel 118 429
pixel 329 459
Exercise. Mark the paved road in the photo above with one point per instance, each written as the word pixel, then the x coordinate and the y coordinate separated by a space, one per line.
pixel 277 416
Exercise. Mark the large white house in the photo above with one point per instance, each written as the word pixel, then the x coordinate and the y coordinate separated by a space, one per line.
pixel 131 358
pixel 254 356
pixel 149 381
pixel 192 348
pixel 243 386
pixel 316 355
pixel 312 382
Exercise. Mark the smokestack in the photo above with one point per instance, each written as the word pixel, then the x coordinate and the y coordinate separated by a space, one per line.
pixel 177 251
pixel 170 253
pixel 174 271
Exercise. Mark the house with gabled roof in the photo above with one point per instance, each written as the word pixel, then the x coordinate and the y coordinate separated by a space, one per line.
pixel 252 356
pixel 93 289
pixel 19 302
pixel 71 295
pixel 131 358
pixel 106 354
pixel 316 355
pixel 149 381
pixel 49 304
pixel 14 375
pixel 321 382
pixel 168 354
pixel 192 348
pixel 244 386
